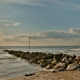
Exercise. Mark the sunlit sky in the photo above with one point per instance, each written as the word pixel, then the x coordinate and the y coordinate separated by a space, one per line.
pixel 48 22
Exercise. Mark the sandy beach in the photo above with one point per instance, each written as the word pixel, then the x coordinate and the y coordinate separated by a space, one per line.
pixel 64 75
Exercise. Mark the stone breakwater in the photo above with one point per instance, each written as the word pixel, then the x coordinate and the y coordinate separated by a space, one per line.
pixel 55 62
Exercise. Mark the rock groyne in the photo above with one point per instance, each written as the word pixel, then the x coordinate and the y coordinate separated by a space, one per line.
pixel 60 62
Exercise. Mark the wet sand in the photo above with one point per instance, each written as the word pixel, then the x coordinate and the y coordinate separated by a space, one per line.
pixel 64 75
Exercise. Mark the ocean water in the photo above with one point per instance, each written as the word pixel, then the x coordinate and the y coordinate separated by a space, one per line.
pixel 11 66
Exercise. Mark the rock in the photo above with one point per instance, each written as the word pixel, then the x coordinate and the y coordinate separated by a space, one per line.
pixel 43 64
pixel 65 60
pixel 60 65
pixel 67 56
pixel 38 62
pixel 58 57
pixel 72 66
pixel 64 55
pixel 49 66
pixel 76 62
pixel 43 61
pixel 77 57
pixel 62 69
pixel 73 56
pixel 78 69
pixel 44 57
pixel 71 59
pixel 54 62
pixel 30 74
pixel 49 56
pixel 31 61
pixel 49 61
pixel 53 71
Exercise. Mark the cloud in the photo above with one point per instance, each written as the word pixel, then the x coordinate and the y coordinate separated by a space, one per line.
pixel 10 23
pixel 70 4
pixel 27 2
pixel 50 37
pixel 75 31
pixel 71 33
pixel 16 24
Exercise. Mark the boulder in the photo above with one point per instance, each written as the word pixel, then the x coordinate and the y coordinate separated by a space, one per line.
pixel 54 62
pixel 72 66
pixel 60 65
pixel 49 66
pixel 38 62
pixel 53 70
pixel 44 57
pixel 76 62
pixel 65 60
pixel 71 59
pixel 73 56
pixel 64 55
pixel 49 56
pixel 78 69
pixel 30 74
pixel 43 61
pixel 62 69
pixel 58 57
pixel 43 64
pixel 78 58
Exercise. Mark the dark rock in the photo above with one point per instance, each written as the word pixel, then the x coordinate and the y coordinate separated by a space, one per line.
pixel 64 55
pixel 30 74
pixel 78 69
pixel 73 56
pixel 49 56
pixel 43 64
pixel 62 69
pixel 53 71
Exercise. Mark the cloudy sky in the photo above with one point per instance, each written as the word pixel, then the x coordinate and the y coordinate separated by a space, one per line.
pixel 48 22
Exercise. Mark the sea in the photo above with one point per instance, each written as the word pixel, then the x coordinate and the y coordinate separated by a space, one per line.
pixel 11 66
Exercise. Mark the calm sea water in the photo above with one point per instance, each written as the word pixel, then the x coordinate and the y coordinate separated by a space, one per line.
pixel 11 66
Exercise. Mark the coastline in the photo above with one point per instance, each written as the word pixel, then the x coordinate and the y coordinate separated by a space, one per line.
pixel 56 66
pixel 64 75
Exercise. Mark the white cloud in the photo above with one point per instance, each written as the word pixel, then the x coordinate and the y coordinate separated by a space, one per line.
pixel 27 2
pixel 71 33
pixel 7 21
pixel 75 31
pixel 10 23
pixel 51 37
pixel 16 24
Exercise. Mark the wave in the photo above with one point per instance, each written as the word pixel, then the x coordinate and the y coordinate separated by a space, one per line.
pixel 7 58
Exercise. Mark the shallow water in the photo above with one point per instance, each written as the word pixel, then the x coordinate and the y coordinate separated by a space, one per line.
pixel 11 66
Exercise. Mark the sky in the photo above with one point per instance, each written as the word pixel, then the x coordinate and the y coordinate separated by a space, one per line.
pixel 48 22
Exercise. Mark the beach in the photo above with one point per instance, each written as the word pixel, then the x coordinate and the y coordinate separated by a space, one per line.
pixel 65 75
